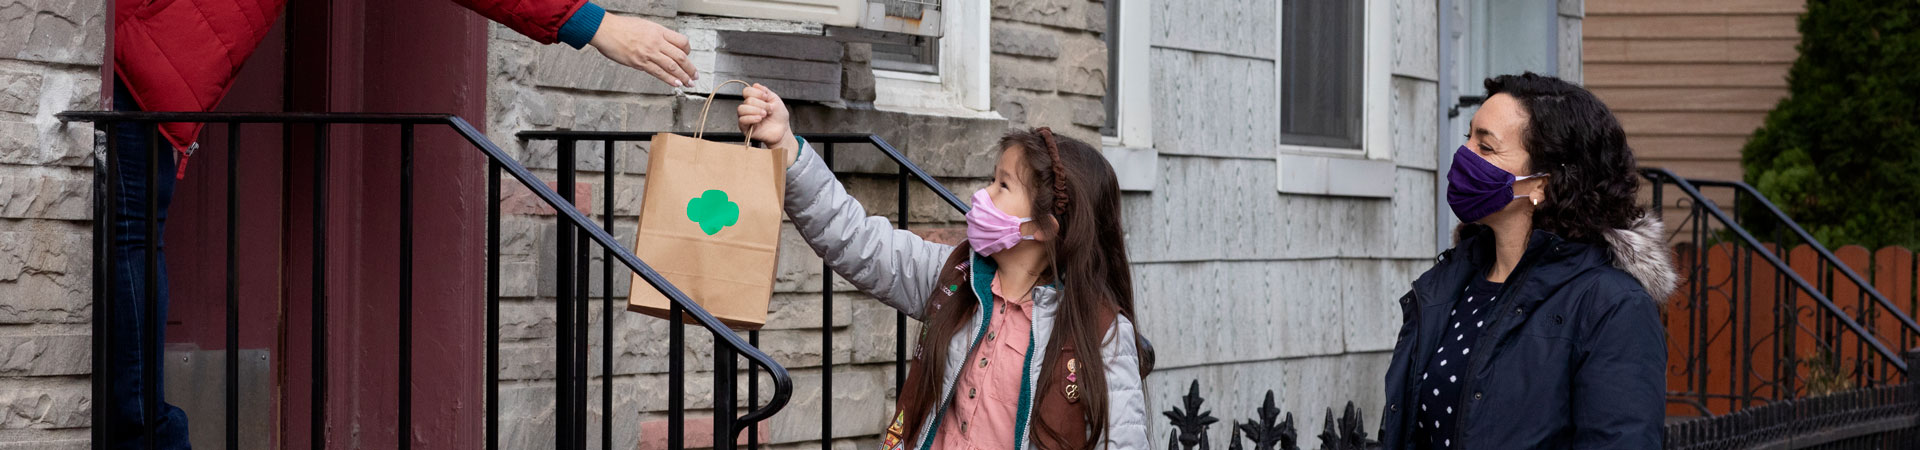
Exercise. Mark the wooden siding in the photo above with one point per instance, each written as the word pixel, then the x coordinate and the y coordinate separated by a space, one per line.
pixel 1690 80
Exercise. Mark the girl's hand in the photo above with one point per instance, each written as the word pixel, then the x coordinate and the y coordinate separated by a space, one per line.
pixel 642 44
pixel 764 117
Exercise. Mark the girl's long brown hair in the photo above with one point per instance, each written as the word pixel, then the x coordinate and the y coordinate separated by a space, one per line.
pixel 1072 183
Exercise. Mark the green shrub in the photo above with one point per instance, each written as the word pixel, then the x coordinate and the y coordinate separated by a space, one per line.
pixel 1841 154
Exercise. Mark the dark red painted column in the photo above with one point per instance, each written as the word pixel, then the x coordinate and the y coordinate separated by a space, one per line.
pixel 384 56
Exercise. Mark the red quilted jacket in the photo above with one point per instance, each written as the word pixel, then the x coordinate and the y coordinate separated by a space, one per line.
pixel 181 55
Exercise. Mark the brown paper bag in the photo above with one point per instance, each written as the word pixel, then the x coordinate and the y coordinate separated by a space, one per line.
pixel 710 223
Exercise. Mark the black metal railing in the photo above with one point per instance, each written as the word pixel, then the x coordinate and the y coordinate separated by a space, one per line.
pixel 1880 417
pixel 1266 432
pixel 1748 312
pixel 906 175
pixel 1868 303
pixel 576 230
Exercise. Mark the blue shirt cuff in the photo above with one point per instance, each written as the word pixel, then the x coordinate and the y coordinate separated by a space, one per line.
pixel 803 145
pixel 580 28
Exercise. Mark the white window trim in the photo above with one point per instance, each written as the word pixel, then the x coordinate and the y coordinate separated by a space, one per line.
pixel 961 88
pixel 1133 121
pixel 1130 150
pixel 1345 172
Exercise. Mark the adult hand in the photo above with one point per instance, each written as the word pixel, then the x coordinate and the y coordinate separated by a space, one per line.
pixel 642 44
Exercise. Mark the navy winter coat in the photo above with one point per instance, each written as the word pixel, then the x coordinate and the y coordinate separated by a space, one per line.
pixel 1574 357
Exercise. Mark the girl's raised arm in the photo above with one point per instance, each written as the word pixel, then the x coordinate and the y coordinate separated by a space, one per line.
pixel 895 266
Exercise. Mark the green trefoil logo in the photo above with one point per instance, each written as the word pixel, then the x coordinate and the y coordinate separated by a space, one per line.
pixel 713 211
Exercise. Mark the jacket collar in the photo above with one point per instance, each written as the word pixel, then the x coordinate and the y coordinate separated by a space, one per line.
pixel 1640 250
pixel 1549 262
pixel 1045 298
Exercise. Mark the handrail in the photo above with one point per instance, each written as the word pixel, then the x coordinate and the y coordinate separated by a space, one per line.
pixel 1894 359
pixel 824 144
pixel 783 384
pixel 893 154
pixel 1825 255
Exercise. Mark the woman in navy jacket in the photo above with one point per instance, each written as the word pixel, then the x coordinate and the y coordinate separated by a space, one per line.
pixel 1541 327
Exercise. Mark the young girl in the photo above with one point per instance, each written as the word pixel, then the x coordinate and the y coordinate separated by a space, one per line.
pixel 1028 340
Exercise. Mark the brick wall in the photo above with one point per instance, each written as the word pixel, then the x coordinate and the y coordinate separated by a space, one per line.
pixel 50 53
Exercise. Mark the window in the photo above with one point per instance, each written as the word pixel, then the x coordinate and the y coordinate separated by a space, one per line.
pixel 1109 101
pixel 1334 73
pixel 907 53
pixel 1321 68
pixel 1129 100
pixel 1127 135
pixel 930 56
pixel 944 75
pixel 895 52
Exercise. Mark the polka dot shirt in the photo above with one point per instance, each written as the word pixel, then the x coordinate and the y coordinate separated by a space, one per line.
pixel 1441 383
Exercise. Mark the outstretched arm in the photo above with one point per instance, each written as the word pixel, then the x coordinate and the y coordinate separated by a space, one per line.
pixel 630 41
pixel 895 266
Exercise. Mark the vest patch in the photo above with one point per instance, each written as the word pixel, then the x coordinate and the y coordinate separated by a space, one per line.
pixel 896 433
pixel 1073 380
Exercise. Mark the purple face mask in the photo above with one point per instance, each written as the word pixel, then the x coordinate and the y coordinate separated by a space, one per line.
pixel 1477 188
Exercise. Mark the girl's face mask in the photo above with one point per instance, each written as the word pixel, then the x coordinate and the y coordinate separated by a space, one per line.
pixel 1477 188
pixel 991 230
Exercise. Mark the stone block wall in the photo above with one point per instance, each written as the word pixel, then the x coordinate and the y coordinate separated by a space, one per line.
pixel 1049 65
pixel 555 87
pixel 50 55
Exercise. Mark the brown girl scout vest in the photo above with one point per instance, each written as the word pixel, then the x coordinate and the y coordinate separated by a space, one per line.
pixel 1062 409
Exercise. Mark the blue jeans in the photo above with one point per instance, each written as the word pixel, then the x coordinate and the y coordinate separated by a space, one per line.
pixel 125 418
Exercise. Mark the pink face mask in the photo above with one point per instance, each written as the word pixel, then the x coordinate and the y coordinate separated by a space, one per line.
pixel 991 230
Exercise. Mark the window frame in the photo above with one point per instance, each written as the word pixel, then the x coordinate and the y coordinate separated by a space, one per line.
pixel 912 41
pixel 1306 169
pixel 1377 69
pixel 1132 92
pixel 960 88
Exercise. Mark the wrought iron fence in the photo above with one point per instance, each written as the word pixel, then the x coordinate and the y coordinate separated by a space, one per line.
pixel 1266 432
pixel 577 234
pixel 1880 417
pixel 1753 324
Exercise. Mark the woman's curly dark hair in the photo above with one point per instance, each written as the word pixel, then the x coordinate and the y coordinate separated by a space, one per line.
pixel 1574 138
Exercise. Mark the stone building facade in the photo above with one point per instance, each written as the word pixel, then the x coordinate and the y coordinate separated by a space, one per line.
pixel 1048 68
pixel 1260 264
pixel 50 53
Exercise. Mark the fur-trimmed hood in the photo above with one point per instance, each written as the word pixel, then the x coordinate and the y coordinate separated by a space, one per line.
pixel 1641 251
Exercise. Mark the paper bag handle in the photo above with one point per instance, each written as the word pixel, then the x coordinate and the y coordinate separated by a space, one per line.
pixel 702 130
